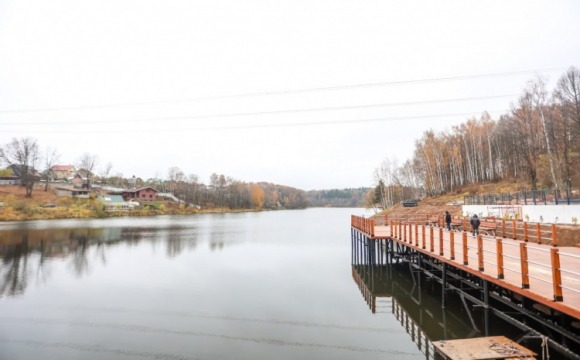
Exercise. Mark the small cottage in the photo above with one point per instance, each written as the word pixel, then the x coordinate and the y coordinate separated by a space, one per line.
pixel 140 194
pixel 113 203
pixel 62 172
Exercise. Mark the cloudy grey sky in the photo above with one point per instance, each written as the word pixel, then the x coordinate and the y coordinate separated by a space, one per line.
pixel 310 94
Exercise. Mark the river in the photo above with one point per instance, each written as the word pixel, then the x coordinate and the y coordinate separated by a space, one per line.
pixel 256 285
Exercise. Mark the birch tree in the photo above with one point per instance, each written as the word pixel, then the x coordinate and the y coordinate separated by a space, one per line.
pixel 538 94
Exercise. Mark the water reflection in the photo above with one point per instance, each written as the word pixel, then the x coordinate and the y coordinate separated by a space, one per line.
pixel 391 289
pixel 28 252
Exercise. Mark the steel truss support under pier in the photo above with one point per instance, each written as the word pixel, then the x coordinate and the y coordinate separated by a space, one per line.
pixel 520 312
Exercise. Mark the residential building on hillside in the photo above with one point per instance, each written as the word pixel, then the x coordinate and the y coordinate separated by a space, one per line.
pixel 79 181
pixel 72 192
pixel 141 194
pixel 17 171
pixel 62 172
pixel 113 202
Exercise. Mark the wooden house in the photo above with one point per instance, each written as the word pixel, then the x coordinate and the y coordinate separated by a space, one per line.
pixel 140 194
pixel 62 172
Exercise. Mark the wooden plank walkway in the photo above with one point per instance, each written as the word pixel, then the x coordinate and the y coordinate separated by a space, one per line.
pixel 549 275
pixel 482 348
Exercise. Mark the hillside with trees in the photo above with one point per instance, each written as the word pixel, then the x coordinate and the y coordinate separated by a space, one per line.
pixel 536 142
pixel 337 197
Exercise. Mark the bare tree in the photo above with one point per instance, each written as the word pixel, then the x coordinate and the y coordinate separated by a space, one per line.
pixel 539 97
pixel 106 171
pixel 568 95
pixel 87 163
pixel 24 154
pixel 175 175
pixel 50 157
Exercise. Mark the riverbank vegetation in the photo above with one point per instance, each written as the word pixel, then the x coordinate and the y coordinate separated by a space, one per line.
pixel 15 205
pixel 536 143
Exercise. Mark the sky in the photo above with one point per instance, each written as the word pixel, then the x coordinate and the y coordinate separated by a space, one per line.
pixel 312 94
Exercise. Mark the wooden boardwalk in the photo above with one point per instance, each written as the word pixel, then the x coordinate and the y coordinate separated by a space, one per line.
pixel 549 275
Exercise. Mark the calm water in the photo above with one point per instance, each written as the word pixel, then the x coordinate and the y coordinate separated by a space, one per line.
pixel 235 286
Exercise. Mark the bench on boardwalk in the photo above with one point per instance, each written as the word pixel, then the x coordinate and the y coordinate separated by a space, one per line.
pixel 433 221
pixel 456 224
pixel 488 227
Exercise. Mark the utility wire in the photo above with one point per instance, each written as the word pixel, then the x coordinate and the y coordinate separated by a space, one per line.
pixel 258 113
pixel 254 126
pixel 291 91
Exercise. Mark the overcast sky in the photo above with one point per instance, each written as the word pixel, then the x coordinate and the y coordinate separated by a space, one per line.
pixel 309 94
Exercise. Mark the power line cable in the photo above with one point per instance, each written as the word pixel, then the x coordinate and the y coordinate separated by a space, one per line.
pixel 271 125
pixel 285 92
pixel 259 113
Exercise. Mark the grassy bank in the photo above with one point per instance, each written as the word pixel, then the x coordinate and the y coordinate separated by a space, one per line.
pixel 15 206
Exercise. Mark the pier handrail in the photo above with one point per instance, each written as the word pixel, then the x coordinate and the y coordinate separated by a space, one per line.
pixel 529 262
pixel 541 233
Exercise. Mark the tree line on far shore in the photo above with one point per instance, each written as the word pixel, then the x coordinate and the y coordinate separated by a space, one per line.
pixel 537 141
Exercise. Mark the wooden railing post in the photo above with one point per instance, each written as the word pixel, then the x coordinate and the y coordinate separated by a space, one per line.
pixel 441 241
pixel 556 274
pixel 465 258
pixel 391 228
pixel 372 226
pixel 554 235
pixel 398 229
pixel 524 265
pixel 514 229
pixel 539 232
pixel 503 234
pixel 452 245
pixel 525 231
pixel 405 232
pixel 431 244
pixel 480 252
pixel 423 235
pixel 499 248
pixel 416 234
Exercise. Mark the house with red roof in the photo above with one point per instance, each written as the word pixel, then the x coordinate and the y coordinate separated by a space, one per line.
pixel 62 172
pixel 141 194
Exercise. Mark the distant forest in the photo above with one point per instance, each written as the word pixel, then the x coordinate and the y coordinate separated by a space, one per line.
pixel 536 141
pixel 337 197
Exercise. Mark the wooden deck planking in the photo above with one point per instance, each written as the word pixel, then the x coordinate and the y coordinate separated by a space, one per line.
pixel 491 347
pixel 541 284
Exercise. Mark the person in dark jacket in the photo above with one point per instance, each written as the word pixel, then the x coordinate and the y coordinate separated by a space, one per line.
pixel 474 224
pixel 448 220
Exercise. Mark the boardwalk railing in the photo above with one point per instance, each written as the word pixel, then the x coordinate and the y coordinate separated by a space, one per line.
pixel 510 229
pixel 547 269
pixel 527 197
pixel 363 224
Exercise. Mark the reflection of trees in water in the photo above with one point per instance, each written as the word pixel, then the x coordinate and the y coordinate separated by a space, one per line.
pixel 14 271
pixel 17 247
pixel 178 241
pixel 213 245
pixel 216 238
pixel 174 244
pixel 80 261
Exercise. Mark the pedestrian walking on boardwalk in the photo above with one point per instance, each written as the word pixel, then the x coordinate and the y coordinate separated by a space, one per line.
pixel 448 220
pixel 474 224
